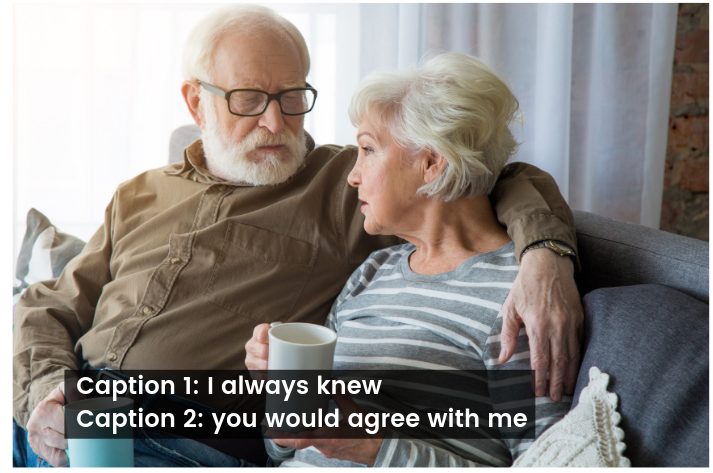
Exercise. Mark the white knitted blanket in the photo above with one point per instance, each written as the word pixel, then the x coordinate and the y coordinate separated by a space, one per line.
pixel 589 435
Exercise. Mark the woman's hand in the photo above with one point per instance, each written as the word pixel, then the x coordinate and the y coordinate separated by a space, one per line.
pixel 257 348
pixel 362 451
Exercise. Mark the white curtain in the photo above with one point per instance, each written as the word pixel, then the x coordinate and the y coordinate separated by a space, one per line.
pixel 96 91
pixel 593 81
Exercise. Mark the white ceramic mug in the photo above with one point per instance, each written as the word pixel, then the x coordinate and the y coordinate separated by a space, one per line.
pixel 300 346
pixel 299 352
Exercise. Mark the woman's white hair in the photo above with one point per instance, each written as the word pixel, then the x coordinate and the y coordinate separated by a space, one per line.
pixel 201 43
pixel 453 105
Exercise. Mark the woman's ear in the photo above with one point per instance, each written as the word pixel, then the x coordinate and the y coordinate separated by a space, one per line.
pixel 192 95
pixel 435 165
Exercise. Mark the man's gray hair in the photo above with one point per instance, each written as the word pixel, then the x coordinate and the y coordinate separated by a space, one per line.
pixel 453 105
pixel 200 45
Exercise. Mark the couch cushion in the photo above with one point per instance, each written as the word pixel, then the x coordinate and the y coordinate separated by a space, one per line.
pixel 44 252
pixel 653 342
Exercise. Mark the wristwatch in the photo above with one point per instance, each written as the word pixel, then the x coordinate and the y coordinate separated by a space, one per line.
pixel 558 247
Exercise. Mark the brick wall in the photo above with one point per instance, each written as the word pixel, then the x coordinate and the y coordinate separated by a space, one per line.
pixel 685 194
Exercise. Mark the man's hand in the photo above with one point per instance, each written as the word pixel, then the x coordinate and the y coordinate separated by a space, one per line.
pixel 45 428
pixel 545 299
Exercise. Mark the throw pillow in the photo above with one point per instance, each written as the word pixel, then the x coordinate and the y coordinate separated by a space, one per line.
pixel 589 435
pixel 44 252
pixel 652 340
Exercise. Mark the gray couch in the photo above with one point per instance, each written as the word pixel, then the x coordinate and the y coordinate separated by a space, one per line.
pixel 645 294
pixel 646 324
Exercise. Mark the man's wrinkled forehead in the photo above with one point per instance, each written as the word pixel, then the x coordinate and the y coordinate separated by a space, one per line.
pixel 258 60
pixel 275 68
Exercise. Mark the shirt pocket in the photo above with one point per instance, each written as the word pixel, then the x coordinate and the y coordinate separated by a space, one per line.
pixel 258 273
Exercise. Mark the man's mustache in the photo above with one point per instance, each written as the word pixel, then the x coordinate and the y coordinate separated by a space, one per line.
pixel 264 138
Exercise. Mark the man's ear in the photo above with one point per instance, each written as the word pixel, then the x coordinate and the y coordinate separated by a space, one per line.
pixel 191 91
pixel 435 165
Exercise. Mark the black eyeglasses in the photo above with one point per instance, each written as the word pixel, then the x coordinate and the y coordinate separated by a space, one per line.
pixel 254 102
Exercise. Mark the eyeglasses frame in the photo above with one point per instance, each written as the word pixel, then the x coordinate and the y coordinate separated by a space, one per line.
pixel 270 97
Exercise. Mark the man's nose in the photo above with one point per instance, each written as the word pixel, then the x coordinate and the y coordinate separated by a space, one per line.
pixel 272 118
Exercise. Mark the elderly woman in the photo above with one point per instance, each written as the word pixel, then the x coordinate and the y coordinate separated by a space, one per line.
pixel 432 142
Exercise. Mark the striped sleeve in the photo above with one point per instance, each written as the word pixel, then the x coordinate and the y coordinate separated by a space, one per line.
pixel 420 453
pixel 547 411
pixel 277 453
pixel 358 282
pixel 345 294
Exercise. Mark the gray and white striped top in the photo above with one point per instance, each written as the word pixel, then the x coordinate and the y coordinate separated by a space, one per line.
pixel 388 317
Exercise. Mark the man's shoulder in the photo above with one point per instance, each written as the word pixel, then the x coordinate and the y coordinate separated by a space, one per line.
pixel 329 152
pixel 150 178
pixel 332 162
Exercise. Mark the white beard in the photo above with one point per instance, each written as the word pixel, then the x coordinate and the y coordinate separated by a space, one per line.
pixel 230 161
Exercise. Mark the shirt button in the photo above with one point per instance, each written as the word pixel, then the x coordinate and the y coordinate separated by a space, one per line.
pixel 175 260
pixel 146 310
pixel 112 357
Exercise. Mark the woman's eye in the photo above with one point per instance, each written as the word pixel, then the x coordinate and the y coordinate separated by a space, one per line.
pixel 367 149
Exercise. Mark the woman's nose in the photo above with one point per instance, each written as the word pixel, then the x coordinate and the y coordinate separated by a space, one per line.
pixel 354 178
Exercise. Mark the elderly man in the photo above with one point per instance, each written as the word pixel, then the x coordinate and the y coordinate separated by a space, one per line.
pixel 255 225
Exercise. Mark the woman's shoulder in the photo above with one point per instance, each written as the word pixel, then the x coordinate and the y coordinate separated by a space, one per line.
pixel 378 264
pixel 390 254
pixel 500 258
pixel 381 261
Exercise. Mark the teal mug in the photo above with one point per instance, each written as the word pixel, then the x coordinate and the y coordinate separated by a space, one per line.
pixel 117 451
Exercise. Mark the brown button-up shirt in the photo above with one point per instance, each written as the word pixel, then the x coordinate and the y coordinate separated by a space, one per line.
pixel 186 264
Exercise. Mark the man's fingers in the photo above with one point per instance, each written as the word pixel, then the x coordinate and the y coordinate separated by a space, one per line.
pixel 47 414
pixel 540 382
pixel 570 379
pixel 558 364
pixel 54 439
pixel 55 456
pixel 509 332
pixel 540 362
pixel 55 419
